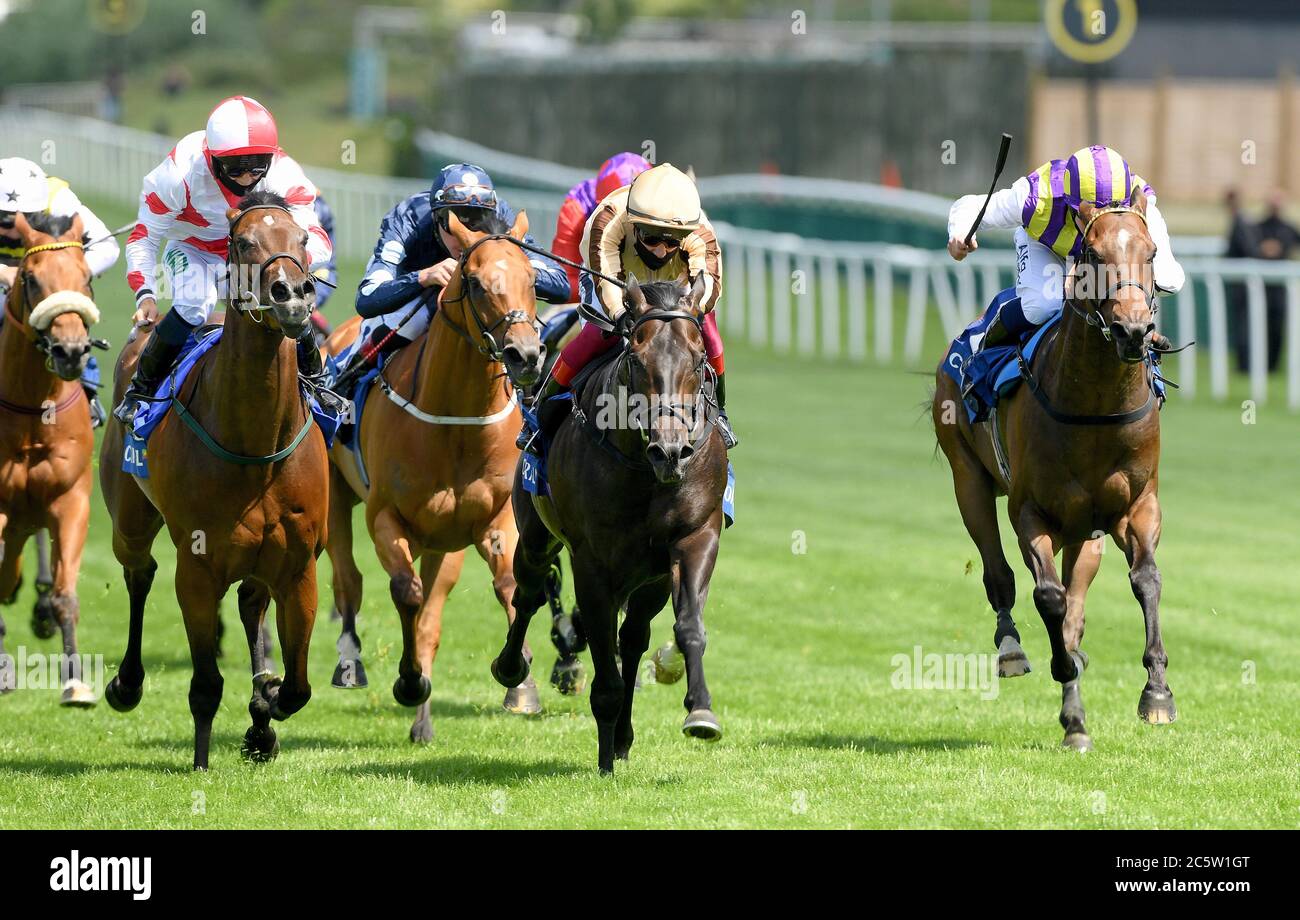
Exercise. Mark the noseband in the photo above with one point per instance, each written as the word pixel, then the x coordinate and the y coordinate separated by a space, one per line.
pixel 1089 257
pixel 486 344
pixel 41 338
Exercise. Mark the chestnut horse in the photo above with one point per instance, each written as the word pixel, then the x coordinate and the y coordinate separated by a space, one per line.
pixel 45 436
pixel 438 442
pixel 639 507
pixel 1083 447
pixel 250 508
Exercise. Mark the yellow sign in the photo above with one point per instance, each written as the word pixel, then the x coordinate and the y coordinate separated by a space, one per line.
pixel 117 17
pixel 1091 31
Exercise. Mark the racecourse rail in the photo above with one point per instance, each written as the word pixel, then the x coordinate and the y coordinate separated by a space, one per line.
pixel 793 294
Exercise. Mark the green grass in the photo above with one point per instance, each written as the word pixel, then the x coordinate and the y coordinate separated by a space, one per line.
pixel 799 663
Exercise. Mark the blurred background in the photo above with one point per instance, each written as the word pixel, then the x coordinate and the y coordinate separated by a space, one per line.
pixel 829 137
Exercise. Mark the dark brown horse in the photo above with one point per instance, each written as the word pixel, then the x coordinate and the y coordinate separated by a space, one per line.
pixel 1083 447
pixel 637 497
pixel 438 442
pixel 46 440
pixel 252 509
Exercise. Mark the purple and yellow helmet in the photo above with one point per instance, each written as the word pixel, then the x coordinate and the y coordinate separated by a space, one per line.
pixel 1099 176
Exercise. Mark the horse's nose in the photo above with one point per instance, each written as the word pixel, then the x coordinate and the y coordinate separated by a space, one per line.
pixel 1132 334
pixel 669 458
pixel 524 360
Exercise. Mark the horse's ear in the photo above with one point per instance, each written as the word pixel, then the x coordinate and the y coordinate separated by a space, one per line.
pixel 1139 202
pixel 633 297
pixel 520 228
pixel 26 231
pixel 75 232
pixel 697 293
pixel 458 230
pixel 1086 210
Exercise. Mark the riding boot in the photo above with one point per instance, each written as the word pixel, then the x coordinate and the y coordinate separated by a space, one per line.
pixel 311 367
pixel 550 413
pixel 382 341
pixel 724 424
pixel 98 415
pixel 156 360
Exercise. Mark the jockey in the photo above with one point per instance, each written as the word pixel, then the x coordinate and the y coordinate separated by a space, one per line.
pixel 616 172
pixel 328 272
pixel 25 188
pixel 1043 209
pixel 183 205
pixel 654 230
pixel 415 257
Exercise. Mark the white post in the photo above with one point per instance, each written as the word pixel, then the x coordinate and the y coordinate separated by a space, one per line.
pixel 1187 332
pixel 1293 342
pixel 829 281
pixel 884 305
pixel 807 307
pixel 780 305
pixel 915 335
pixel 1216 301
pixel 856 271
pixel 1255 305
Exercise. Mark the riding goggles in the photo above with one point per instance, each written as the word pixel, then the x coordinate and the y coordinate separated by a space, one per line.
pixel 8 218
pixel 255 163
pixel 472 196
pixel 658 237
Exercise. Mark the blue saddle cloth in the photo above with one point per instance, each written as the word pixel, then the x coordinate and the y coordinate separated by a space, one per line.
pixel 534 467
pixel 203 340
pixel 984 378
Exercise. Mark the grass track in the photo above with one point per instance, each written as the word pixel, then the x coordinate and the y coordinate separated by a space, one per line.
pixel 839 458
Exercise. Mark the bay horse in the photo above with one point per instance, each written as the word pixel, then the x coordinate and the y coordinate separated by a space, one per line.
pixel 1083 448
pixel 440 454
pixel 639 507
pixel 46 439
pixel 250 507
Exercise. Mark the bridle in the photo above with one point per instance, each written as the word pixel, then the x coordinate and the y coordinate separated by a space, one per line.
pixel 41 339
pixel 1089 259
pixel 246 301
pixel 486 344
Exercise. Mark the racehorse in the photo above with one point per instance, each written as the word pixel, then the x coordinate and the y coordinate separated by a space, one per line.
pixel 439 452
pixel 639 506
pixel 1083 448
pixel 45 438
pixel 240 484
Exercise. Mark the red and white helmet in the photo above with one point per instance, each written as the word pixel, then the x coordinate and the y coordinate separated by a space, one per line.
pixel 240 126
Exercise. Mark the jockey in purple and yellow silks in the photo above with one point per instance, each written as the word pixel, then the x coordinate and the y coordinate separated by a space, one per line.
pixel 1043 209
pixel 616 172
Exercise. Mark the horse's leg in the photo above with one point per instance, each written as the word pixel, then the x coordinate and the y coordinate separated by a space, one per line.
pixel 136 523
pixel 69 517
pixel 977 501
pixel 295 615
pixel 633 640
pixel 11 566
pixel 1038 546
pixel 199 595
pixel 568 675
pixel 497 547
pixel 535 553
pixel 393 546
pixel 260 743
pixel 1140 539
pixel 44 621
pixel 440 571
pixel 1080 562
pixel 349 673
pixel 600 616
pixel 692 562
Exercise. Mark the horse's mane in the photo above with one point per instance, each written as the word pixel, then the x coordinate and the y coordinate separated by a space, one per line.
pixel 485 221
pixel 51 224
pixel 262 198
pixel 663 295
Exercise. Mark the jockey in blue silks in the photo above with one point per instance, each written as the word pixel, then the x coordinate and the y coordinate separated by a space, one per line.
pixel 416 255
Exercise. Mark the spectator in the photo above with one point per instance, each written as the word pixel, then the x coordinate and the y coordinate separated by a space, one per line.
pixel 1276 238
pixel 1242 244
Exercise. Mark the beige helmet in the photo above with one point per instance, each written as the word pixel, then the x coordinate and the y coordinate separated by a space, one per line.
pixel 664 196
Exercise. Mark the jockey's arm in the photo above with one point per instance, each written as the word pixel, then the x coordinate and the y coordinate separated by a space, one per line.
pixel 602 241
pixel 552 284
pixel 1003 213
pixel 162 198
pixel 292 183
pixel 389 281
pixel 101 256
pixel 1168 273
pixel 704 259
pixel 568 240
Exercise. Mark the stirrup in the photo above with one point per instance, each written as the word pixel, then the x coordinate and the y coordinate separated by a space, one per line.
pixel 98 415
pixel 723 423
pixel 130 406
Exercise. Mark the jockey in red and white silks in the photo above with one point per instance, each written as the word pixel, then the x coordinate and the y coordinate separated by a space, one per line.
pixel 183 206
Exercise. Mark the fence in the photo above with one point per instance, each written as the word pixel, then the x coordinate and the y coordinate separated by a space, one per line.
pixel 831 299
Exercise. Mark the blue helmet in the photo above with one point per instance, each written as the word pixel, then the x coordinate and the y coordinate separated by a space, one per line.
pixel 463 185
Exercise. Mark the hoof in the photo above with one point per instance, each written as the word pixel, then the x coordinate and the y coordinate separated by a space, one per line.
pixel 121 697
pixel 669 663
pixel 412 692
pixel 1077 741
pixel 1012 661
pixel 702 724
pixel 513 679
pixel 77 695
pixel 260 745
pixel 1157 708
pixel 349 675
pixel 422 731
pixel 569 676
pixel 44 622
pixel 523 699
